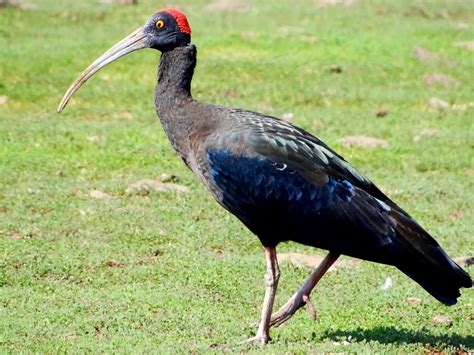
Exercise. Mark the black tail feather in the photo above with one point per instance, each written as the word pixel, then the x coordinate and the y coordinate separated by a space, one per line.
pixel 443 284
pixel 427 263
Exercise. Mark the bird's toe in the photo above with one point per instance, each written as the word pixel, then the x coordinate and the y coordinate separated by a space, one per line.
pixel 258 339
pixel 289 309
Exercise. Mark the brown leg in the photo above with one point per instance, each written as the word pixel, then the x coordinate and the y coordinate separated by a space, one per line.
pixel 271 283
pixel 301 297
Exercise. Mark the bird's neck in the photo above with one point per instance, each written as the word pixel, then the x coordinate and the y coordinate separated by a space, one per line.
pixel 173 95
pixel 176 72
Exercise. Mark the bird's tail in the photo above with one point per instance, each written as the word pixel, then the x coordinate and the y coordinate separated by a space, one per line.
pixel 428 264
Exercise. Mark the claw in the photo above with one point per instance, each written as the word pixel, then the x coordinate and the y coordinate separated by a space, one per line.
pixel 310 307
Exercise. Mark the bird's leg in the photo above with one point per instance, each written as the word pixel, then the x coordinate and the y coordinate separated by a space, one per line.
pixel 272 276
pixel 301 297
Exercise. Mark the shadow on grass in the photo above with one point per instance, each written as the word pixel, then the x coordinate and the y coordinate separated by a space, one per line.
pixel 391 335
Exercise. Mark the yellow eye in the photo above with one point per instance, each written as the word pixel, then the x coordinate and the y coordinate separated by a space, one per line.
pixel 160 24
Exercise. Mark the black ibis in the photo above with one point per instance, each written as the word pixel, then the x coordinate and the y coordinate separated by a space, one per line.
pixel 280 181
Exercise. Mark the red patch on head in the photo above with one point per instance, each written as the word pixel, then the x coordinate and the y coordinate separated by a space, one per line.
pixel 181 20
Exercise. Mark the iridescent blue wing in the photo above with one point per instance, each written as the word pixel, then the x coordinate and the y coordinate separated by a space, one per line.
pixel 285 183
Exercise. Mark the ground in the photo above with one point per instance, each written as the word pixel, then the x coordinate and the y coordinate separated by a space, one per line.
pixel 87 265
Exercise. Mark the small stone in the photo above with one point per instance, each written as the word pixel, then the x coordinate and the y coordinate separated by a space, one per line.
pixel 437 104
pixel 387 284
pixel 288 117
pixel 440 79
pixel 19 4
pixel 27 6
pixel 382 112
pixel 265 106
pixel 465 44
pixel 217 346
pixel 443 319
pixel 219 252
pixel 423 55
pixel 169 178
pixel 335 68
pixel 324 3
pixel 127 115
pixel 95 139
pixel 114 264
pixel 413 301
pixel 427 133
pixel 464 261
pixel 146 186
pixel 3 100
pixel 100 195
pixel 455 216
pixel 363 142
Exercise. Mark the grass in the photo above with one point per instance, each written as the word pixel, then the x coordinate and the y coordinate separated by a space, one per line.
pixel 173 271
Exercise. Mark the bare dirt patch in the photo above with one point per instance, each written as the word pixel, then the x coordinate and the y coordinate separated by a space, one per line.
pixel 312 261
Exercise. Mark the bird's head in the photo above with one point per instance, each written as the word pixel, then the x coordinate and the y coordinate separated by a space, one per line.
pixel 164 31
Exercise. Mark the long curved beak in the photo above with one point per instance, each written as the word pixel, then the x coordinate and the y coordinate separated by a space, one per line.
pixel 133 42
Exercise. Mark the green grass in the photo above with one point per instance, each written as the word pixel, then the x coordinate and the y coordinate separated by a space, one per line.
pixel 176 272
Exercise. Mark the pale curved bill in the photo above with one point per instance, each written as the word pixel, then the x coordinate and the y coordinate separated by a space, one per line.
pixel 132 42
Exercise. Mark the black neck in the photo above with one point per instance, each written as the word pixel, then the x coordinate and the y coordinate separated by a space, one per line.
pixel 176 72
pixel 173 95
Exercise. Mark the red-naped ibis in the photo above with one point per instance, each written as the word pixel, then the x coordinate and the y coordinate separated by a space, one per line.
pixel 282 182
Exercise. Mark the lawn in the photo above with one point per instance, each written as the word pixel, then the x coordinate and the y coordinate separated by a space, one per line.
pixel 87 267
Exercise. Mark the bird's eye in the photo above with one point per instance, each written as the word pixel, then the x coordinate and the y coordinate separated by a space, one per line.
pixel 160 24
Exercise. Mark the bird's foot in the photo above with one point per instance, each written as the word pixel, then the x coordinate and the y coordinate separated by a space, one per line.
pixel 258 339
pixel 287 311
